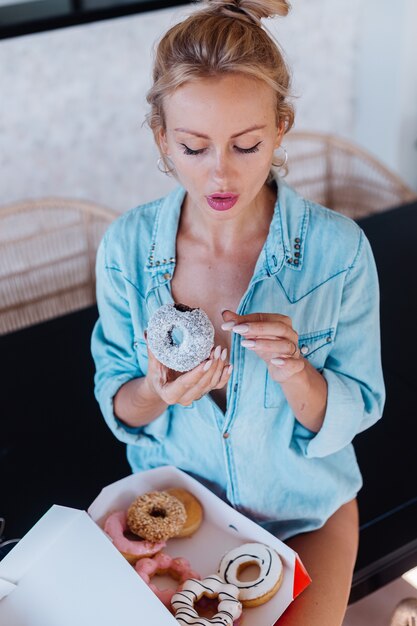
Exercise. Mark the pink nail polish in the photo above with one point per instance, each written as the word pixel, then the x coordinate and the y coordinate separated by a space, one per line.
pixel 217 352
pixel 277 361
pixel 229 369
pixel 223 354
pixel 207 366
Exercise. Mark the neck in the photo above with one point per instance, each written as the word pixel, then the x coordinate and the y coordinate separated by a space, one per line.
pixel 223 236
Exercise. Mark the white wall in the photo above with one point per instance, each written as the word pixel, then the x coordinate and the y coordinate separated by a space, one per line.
pixel 386 87
pixel 73 100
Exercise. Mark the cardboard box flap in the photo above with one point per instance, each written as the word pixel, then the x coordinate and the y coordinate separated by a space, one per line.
pixel 32 546
pixel 79 579
pixel 6 587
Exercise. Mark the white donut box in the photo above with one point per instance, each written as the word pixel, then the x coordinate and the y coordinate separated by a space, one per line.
pixel 66 571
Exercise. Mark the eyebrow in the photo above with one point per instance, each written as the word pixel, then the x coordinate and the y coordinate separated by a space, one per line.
pixel 243 132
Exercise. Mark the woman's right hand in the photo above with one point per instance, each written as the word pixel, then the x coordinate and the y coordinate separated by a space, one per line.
pixel 176 388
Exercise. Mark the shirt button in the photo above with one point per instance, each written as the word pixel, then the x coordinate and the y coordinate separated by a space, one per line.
pixel 167 276
pixel 226 435
pixel 304 349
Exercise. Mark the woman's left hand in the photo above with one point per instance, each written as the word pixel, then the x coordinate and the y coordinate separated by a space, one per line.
pixel 272 337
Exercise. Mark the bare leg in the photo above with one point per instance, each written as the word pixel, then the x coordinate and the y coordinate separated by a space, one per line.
pixel 329 554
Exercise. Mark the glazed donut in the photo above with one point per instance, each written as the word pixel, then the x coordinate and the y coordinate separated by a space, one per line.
pixel 197 336
pixel 228 609
pixel 161 563
pixel 116 528
pixel 156 516
pixel 254 592
pixel 193 510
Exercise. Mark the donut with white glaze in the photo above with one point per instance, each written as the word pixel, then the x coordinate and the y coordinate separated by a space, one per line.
pixel 260 590
pixel 197 336
pixel 228 609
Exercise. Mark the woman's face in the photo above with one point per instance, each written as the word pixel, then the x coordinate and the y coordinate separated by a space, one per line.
pixel 220 134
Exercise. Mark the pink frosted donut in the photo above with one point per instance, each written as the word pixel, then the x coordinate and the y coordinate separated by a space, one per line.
pixel 116 527
pixel 161 563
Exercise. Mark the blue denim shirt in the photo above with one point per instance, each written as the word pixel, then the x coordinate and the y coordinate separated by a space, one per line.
pixel 316 266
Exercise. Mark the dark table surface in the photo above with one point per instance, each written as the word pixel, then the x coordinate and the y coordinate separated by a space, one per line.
pixel 56 448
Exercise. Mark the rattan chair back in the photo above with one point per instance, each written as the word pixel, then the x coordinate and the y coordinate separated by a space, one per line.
pixel 47 258
pixel 342 176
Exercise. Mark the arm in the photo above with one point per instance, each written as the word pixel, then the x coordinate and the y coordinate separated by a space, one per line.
pixel 137 404
pixel 131 399
pixel 353 369
pixel 274 340
pixel 306 392
pixel 348 395
pixel 119 381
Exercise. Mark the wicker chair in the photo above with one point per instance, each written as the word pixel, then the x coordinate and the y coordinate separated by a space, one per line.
pixel 341 176
pixel 47 252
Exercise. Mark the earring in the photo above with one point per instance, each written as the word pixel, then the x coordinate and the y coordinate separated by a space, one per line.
pixel 284 161
pixel 162 166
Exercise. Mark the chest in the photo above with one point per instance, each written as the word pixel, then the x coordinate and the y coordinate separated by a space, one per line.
pixel 212 284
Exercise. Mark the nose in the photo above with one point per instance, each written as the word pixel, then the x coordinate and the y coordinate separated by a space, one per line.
pixel 222 166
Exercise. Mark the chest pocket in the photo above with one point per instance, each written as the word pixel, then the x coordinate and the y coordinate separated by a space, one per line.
pixel 314 347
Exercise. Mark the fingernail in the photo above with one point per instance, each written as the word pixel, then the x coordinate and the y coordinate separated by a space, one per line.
pixel 277 361
pixel 241 329
pixel 217 352
pixel 223 310
pixel 207 366
pixel 229 369
pixel 248 343
pixel 228 325
pixel 224 354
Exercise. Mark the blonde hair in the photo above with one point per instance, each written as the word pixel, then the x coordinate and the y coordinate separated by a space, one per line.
pixel 224 37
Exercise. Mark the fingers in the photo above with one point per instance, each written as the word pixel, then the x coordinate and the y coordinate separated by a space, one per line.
pixel 270 348
pixel 217 374
pixel 227 371
pixel 267 325
pixel 282 370
pixel 229 315
pixel 255 317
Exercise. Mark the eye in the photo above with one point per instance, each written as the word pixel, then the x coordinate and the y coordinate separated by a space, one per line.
pixel 188 150
pixel 254 148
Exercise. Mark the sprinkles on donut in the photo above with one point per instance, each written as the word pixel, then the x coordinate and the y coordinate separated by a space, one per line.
pixel 195 329
pixel 156 516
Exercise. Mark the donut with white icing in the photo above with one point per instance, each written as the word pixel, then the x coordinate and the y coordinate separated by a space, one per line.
pixel 258 591
pixel 228 609
pixel 196 336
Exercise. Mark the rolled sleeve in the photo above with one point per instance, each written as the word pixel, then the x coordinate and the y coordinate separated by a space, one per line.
pixel 353 368
pixel 112 345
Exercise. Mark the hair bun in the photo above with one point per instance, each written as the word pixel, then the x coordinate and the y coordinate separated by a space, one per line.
pixel 253 10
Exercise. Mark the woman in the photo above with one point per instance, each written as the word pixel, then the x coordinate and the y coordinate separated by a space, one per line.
pixel 291 288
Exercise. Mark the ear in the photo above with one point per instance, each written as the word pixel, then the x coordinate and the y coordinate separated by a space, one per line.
pixel 279 135
pixel 161 140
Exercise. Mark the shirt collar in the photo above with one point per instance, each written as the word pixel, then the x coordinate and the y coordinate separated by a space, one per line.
pixel 283 246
